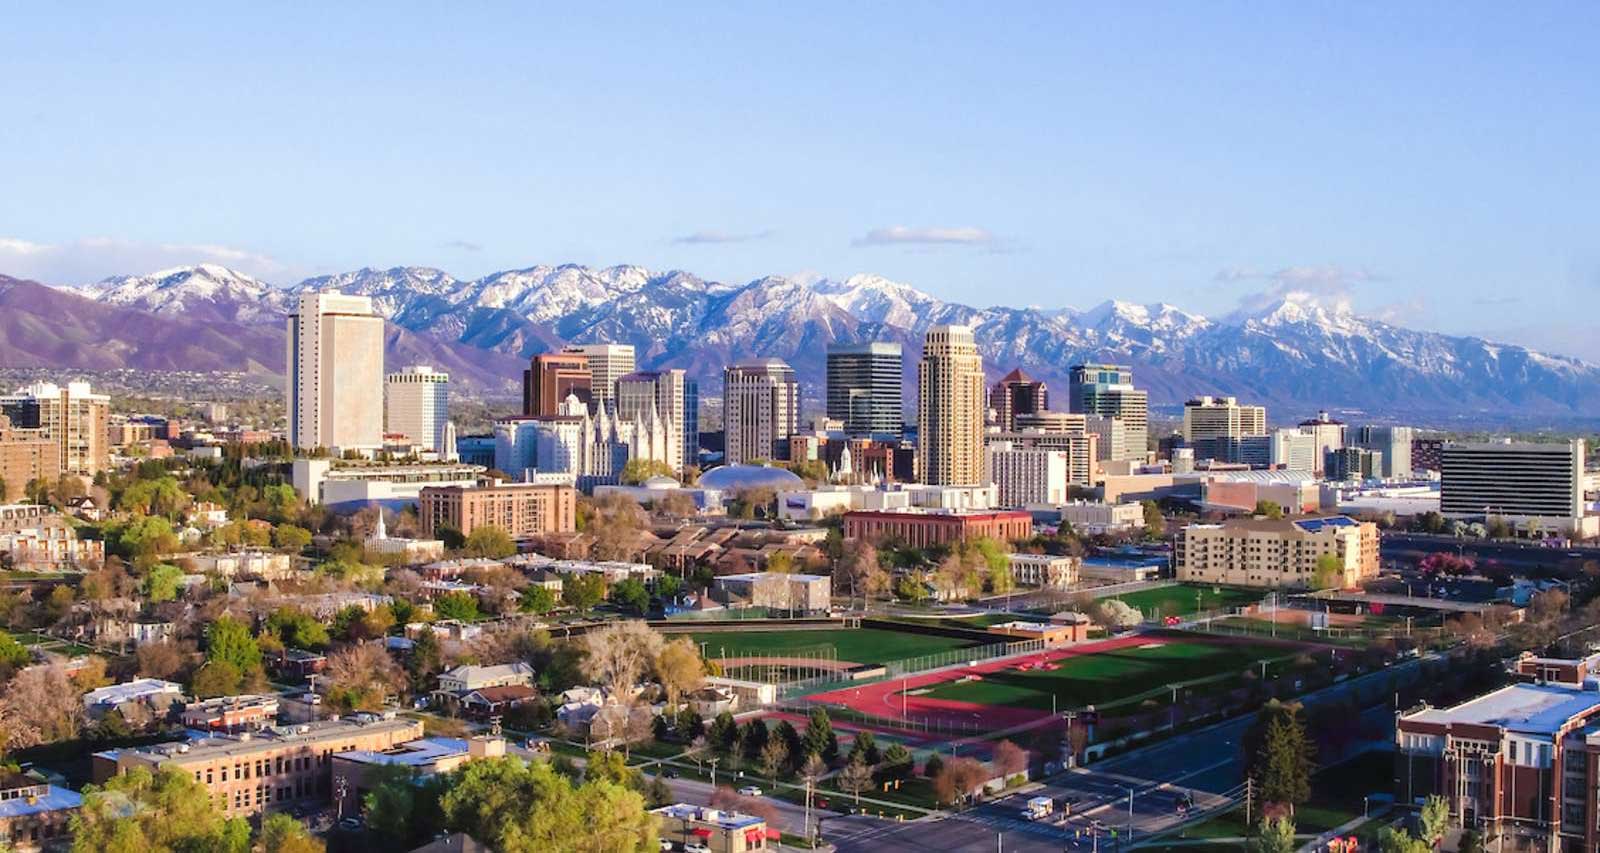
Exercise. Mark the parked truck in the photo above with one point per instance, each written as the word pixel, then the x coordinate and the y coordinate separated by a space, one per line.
pixel 1038 808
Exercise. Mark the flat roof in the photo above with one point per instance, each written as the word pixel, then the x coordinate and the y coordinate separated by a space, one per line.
pixel 271 738
pixel 1537 709
pixel 412 753
pixel 55 799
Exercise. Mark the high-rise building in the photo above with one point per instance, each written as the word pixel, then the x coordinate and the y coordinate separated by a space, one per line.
pixel 1016 394
pixel 1394 442
pixel 1024 476
pixel 1352 463
pixel 1077 449
pixel 607 364
pixel 950 408
pixel 1329 435
pixel 1293 450
pixel 74 417
pixel 25 455
pixel 335 382
pixel 760 410
pixel 522 510
pixel 1212 421
pixel 670 395
pixel 1112 434
pixel 550 378
pixel 1107 390
pixel 417 402
pixel 1529 485
pixel 864 387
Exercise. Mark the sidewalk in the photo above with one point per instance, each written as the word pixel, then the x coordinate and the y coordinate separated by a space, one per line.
pixel 1349 826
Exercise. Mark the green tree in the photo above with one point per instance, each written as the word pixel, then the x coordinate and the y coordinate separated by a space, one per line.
pixel 723 734
pixel 162 811
pixel 1280 754
pixel 289 537
pixel 216 678
pixel 228 640
pixel 162 582
pixel 583 591
pixel 752 739
pixel 37 491
pixel 1330 572
pixel 1155 526
pixel 820 739
pixel 143 536
pixel 13 655
pixel 162 496
pixel 630 593
pixel 1391 840
pixel 1434 820
pixel 299 629
pixel 866 749
pixel 1270 509
pixel 489 541
pixel 281 833
pixel 458 605
pixel 1276 835
pixel 537 600
pixel 522 808
pixel 390 803
pixel 897 762
pixel 639 470
pixel 450 536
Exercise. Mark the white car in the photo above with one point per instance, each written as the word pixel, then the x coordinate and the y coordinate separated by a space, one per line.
pixel 750 791
pixel 696 847
pixel 666 846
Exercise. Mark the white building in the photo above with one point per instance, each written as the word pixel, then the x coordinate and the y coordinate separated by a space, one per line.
pixel 417 401
pixel 1295 450
pixel 1536 487
pixel 1094 517
pixel 1044 570
pixel 1212 418
pixel 667 396
pixel 335 373
pixel 1024 476
pixel 591 448
pixel 352 486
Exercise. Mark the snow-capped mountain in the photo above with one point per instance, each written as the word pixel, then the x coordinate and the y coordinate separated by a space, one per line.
pixel 1294 352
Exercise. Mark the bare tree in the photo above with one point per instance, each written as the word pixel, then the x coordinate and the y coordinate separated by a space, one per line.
pixel 615 525
pixel 1009 759
pixel 773 757
pixel 40 705
pixel 362 676
pixel 619 653
pixel 855 778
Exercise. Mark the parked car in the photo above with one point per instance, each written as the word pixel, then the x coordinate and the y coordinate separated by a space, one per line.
pixel 696 847
pixel 669 773
pixel 750 791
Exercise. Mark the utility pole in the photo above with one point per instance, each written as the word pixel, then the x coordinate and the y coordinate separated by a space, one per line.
pixel 1247 793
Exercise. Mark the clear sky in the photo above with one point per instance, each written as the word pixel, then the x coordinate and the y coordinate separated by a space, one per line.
pixel 1433 162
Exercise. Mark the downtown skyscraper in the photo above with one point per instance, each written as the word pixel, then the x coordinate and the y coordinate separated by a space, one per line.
pixel 1107 390
pixel 760 410
pixel 950 408
pixel 864 387
pixel 335 365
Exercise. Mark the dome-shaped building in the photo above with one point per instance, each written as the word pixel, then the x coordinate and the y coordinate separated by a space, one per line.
pixel 732 478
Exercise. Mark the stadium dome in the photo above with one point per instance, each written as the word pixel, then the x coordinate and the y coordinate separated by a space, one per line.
pixel 732 478
pixel 660 482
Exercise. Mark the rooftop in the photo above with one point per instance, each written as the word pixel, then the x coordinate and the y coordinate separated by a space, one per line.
pixel 716 817
pixel 54 799
pixel 412 753
pixel 755 576
pixel 276 737
pixel 1537 709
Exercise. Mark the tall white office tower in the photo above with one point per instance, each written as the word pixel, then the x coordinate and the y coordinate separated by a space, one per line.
pixel 417 400
pixel 668 395
pixel 607 364
pixel 760 410
pixel 950 408
pixel 335 367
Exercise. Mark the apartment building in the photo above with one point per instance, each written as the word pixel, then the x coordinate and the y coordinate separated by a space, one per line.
pixel 760 410
pixel 25 455
pixel 335 365
pixel 254 772
pixel 1528 485
pixel 74 417
pixel 522 510
pixel 1210 420
pixel 607 363
pixel 417 406
pixel 1025 476
pixel 1276 553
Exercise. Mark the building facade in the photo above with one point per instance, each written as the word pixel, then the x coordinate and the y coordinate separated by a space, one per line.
pixel 1024 476
pixel 553 377
pixel 921 529
pixel 1107 390
pixel 1528 485
pixel 335 366
pixel 74 417
pixel 1328 433
pixel 671 396
pixel 1394 442
pixel 1015 394
pixel 1277 553
pixel 417 404
pixel 760 410
pixel 591 449
pixel 1209 423
pixel 864 388
pixel 1352 463
pixel 607 363
pixel 25 455
pixel 950 408
pixel 521 510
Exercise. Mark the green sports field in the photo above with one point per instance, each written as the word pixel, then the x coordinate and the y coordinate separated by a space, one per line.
pixel 1180 600
pixel 861 645
pixel 1102 677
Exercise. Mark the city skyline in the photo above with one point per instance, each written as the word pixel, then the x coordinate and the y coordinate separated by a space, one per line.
pixel 1369 174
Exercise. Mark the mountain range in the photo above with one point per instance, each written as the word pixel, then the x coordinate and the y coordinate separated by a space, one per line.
pixel 1295 353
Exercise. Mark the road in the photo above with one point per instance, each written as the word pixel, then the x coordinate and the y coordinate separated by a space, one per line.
pixel 1206 763
pixel 791 816
pixel 1407 548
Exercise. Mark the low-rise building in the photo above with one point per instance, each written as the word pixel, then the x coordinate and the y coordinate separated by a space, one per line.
pixel 1094 517
pixel 153 693
pixel 231 713
pixel 786 591
pixel 747 694
pixel 922 529
pixel 1044 570
pixel 34 814
pixel 277 768
pixel 472 677
pixel 719 830
pixel 351 486
pixel 522 510
pixel 51 548
pixel 352 770
pixel 261 565
pixel 1051 633
pixel 1282 552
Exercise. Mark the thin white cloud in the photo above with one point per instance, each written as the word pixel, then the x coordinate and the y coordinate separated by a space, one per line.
pixel 1328 285
pixel 94 258
pixel 713 237
pixel 895 235
pixel 464 245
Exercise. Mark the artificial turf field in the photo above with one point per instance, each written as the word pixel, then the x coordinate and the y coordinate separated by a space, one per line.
pixel 859 645
pixel 1180 600
pixel 1104 676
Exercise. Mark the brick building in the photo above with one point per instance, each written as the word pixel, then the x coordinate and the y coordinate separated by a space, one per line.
pixel 25 455
pixel 34 815
pixel 921 529
pixel 520 509
pixel 1523 760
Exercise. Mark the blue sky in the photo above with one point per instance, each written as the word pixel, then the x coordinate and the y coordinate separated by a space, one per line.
pixel 1431 163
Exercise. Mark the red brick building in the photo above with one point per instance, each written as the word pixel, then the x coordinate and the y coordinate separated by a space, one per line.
pixel 1523 760
pixel 922 529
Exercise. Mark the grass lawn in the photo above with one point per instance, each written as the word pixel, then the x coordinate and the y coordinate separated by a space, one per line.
pixel 1180 600
pixel 1102 677
pixel 1336 798
pixel 861 645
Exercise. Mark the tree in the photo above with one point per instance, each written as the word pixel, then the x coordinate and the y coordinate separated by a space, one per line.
pixel 458 605
pixel 228 640
pixel 216 678
pixel 1270 509
pixel 932 766
pixel 859 570
pixel 522 808
pixel 1391 840
pixel 896 763
pixel 1155 526
pixel 161 584
pixel 753 739
pixel 820 739
pixel 1276 835
pixel 1009 759
pixel 298 629
pixel 723 734
pixel 957 779
pixel 865 748
pixel 583 591
pixel 162 811
pixel 142 536
pixel 288 537
pixel 1434 820
pixel 362 676
pixel 638 470
pixel 159 660
pixel 619 653
pixel 630 593
pixel 537 600
pixel 162 496
pixel 1329 574
pixel 1115 613
pixel 614 524
pixel 1471 842
pixel 13 656
pixel 37 491
pixel 774 757
pixel 425 662
pixel 679 669
pixel 855 778
pixel 39 705
pixel 1279 754
pixel 281 833
pixel 489 541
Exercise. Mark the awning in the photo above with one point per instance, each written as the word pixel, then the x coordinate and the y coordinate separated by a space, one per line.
pixel 700 832
pixel 773 834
